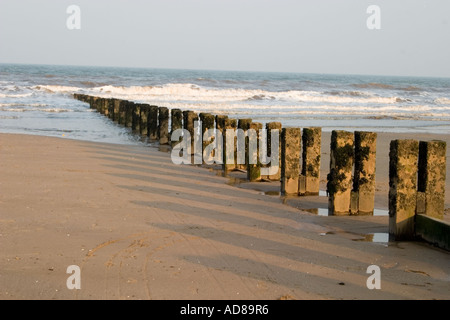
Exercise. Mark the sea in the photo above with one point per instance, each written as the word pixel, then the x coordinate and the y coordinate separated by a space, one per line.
pixel 38 99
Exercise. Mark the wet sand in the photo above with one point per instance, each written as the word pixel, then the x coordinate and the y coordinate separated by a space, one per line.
pixel 140 227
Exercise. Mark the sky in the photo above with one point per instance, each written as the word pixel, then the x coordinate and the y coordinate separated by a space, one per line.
pixel 322 36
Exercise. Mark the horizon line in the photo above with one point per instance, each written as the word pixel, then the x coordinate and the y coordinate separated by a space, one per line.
pixel 222 70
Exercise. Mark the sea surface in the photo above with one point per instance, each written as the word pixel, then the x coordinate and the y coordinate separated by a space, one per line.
pixel 37 99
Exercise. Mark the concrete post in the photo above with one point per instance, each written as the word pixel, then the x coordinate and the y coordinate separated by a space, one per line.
pixel 244 125
pixel 431 178
pixel 176 116
pixel 122 112
pixel 163 125
pixel 220 122
pixel 93 102
pixel 111 108
pixel 311 155
pixel 339 185
pixel 143 130
pixel 403 156
pixel 189 117
pixel 252 145
pixel 364 177
pixel 290 160
pixel 100 105
pixel 220 130
pixel 269 127
pixel 207 121
pixel 152 124
pixel 136 117
pixel 105 108
pixel 129 106
pixel 116 107
pixel 229 144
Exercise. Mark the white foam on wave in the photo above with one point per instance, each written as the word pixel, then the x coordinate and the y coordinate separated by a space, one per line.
pixel 442 101
pixel 191 92
pixel 28 109
pixel 36 105
pixel 21 95
pixel 56 89
pixel 275 111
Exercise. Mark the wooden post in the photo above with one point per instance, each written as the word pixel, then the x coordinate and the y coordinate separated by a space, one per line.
pixel 229 145
pixel 364 177
pixel 176 116
pixel 163 125
pixel 252 145
pixel 339 185
pixel 152 124
pixel 290 160
pixel 403 157
pixel 431 178
pixel 311 156
pixel 189 117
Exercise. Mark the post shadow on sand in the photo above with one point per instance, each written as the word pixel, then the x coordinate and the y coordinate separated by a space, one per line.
pixel 306 282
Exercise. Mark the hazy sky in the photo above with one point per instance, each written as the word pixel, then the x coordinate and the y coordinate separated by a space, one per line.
pixel 322 36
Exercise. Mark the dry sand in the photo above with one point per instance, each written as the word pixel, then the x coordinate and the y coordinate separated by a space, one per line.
pixel 140 227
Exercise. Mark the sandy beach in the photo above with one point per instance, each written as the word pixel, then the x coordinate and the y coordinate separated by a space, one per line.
pixel 141 227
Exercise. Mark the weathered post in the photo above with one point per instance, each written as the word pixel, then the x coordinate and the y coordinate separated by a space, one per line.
pixel 229 145
pixel 105 108
pixel 290 160
pixel 152 123
pixel 207 121
pixel 101 105
pixel 176 116
pixel 311 155
pixel 244 125
pixel 364 177
pixel 339 185
pixel 163 125
pixel 136 117
pixel 93 102
pixel 269 127
pixel 220 122
pixel 111 108
pixel 143 129
pixel 252 145
pixel 122 112
pixel 189 117
pixel 116 107
pixel 220 130
pixel 129 107
pixel 403 157
pixel 431 178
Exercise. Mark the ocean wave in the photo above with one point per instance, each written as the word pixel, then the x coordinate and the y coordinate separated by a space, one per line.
pixel 188 92
pixel 373 85
pixel 191 92
pixel 56 88
pixel 91 84
pixel 36 105
pixel 442 101
pixel 27 109
pixel 20 95
pixel 348 93
pixel 260 97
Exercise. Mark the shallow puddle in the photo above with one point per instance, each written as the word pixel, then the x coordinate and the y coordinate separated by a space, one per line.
pixel 324 211
pixel 379 237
